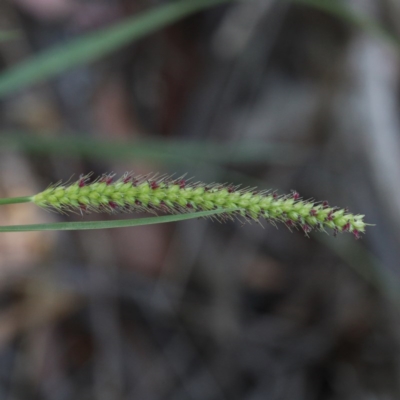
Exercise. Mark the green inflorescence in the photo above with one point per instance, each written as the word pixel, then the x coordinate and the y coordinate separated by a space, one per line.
pixel 146 193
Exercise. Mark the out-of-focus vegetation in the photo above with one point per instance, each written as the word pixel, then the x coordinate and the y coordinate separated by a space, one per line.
pixel 289 95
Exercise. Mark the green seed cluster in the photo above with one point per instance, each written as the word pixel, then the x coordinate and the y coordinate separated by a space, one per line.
pixel 130 193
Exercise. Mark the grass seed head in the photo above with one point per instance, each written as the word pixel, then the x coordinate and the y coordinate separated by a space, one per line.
pixel 151 193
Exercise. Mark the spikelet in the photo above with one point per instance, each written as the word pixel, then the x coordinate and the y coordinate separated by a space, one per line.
pixel 152 193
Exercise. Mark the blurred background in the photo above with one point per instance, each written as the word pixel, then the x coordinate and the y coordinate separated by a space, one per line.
pixel 276 94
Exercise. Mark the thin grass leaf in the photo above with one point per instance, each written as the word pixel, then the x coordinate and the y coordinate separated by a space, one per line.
pixel 123 223
pixel 167 151
pixel 95 45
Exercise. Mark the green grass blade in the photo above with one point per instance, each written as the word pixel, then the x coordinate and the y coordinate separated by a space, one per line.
pixel 121 223
pixel 97 44
pixel 167 151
